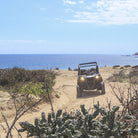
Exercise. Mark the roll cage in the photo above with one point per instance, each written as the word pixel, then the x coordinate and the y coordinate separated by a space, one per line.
pixel 85 65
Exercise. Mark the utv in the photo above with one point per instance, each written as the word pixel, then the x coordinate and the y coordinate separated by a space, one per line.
pixel 89 78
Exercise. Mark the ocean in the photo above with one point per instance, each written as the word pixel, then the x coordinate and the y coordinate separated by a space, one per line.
pixel 63 61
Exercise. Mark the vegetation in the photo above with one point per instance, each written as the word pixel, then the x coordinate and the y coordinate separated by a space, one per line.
pixel 20 84
pixel 99 124
pixel 19 80
pixel 75 70
pixel 20 110
pixel 123 76
pixel 56 68
pixel 69 69
pixel 82 123
pixel 115 66
pixel 128 98
pixel 127 95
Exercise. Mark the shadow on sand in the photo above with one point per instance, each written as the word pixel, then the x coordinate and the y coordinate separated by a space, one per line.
pixel 90 93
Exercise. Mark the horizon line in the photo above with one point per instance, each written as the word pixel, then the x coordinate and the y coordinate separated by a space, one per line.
pixel 65 54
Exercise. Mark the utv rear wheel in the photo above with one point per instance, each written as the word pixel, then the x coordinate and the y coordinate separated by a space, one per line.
pixel 79 92
pixel 102 88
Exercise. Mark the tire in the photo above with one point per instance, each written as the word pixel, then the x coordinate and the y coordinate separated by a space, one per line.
pixel 102 88
pixel 79 92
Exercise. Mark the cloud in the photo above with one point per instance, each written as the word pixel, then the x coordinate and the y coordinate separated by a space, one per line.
pixel 81 1
pixel 107 12
pixel 69 2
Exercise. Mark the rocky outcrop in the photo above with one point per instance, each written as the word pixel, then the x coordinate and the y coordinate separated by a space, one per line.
pixel 136 53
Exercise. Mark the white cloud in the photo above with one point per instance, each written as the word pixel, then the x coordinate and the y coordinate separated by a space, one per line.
pixel 69 2
pixel 81 1
pixel 108 12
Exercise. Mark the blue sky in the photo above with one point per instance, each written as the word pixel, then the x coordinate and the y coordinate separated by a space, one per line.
pixel 68 26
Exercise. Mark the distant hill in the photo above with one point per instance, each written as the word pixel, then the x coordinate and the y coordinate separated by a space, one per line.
pixel 136 53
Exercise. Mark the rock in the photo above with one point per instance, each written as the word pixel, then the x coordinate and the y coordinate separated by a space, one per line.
pixel 3 108
pixel 57 95
pixel 135 53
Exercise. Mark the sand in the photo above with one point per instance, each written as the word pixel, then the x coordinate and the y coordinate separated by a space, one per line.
pixel 65 88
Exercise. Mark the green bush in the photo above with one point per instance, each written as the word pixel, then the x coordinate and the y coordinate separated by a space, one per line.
pixel 82 125
pixel 32 88
pixel 26 81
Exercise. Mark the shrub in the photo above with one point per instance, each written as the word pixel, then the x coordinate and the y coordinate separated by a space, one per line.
pixel 75 70
pixel 136 66
pixel 32 88
pixel 125 77
pixel 126 66
pixel 56 68
pixel 128 97
pixel 116 66
pixel 81 124
pixel 133 77
pixel 118 77
pixel 128 94
pixel 69 69
pixel 8 77
pixel 31 81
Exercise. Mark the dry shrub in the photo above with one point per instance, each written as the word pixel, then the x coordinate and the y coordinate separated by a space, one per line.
pixel 133 76
pixel 125 75
pixel 128 97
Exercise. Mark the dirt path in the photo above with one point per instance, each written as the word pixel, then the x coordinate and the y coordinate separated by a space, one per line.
pixel 65 87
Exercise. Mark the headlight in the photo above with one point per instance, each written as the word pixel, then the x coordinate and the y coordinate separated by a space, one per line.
pixel 82 78
pixel 97 76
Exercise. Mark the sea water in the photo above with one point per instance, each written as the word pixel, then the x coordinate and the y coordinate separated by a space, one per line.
pixel 63 61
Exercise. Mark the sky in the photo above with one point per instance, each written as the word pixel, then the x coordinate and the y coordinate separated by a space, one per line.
pixel 68 26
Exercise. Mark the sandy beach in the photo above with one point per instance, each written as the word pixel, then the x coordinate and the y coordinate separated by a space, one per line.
pixel 65 88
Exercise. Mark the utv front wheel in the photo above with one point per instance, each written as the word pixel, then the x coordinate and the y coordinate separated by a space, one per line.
pixel 79 92
pixel 102 88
